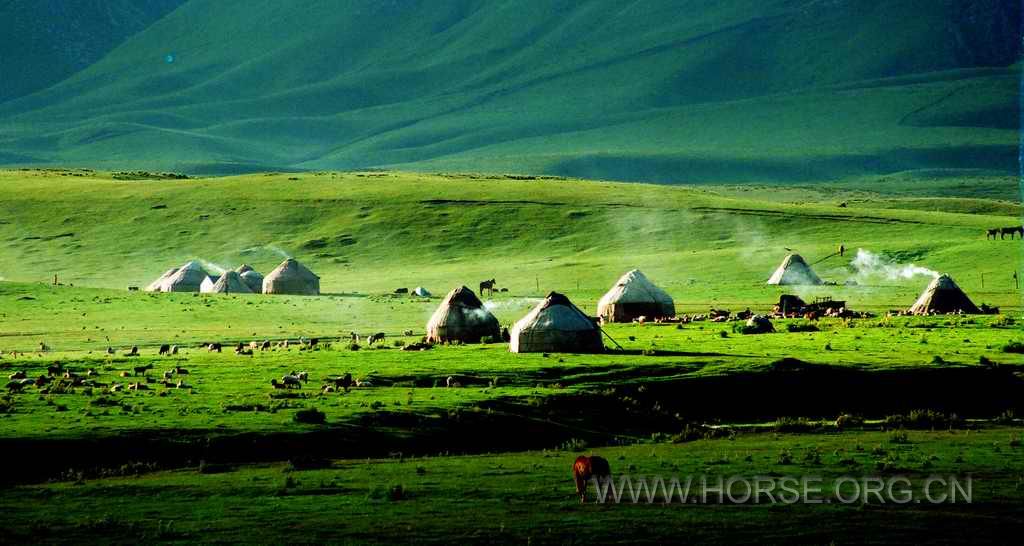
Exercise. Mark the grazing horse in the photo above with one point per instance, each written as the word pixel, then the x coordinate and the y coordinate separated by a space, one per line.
pixel 488 286
pixel 991 233
pixel 586 468
pixel 379 336
pixel 1011 231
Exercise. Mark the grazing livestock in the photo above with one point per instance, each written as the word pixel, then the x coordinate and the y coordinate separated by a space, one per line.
pixel 488 286
pixel 302 376
pixel 265 346
pixel 174 349
pixel 55 369
pixel 214 348
pixel 43 380
pixel 168 374
pixel 165 349
pixel 182 385
pixel 379 336
pixel 344 382
pixel 991 233
pixel 452 383
pixel 1011 231
pixel 586 468
pixel 134 351
pixel 110 350
pixel 180 371
pixel 287 382
pixel 15 386
pixel 142 369
pixel 401 291
pixel 20 374
pixel 407 333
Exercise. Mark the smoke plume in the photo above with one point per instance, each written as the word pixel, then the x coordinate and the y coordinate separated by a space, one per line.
pixel 868 265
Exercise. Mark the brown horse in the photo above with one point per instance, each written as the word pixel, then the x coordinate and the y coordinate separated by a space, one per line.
pixel 488 286
pixel 589 467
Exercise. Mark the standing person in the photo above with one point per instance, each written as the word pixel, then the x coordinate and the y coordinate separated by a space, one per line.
pixel 842 250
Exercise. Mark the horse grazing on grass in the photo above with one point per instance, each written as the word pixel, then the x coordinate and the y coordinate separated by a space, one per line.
pixel 586 468
pixel 488 286
pixel 991 233
pixel 1011 231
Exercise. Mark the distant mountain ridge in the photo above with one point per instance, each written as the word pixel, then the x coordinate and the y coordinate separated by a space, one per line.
pixel 660 90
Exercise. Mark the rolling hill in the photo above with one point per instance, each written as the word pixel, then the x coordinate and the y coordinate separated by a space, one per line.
pixel 663 91
pixel 367 233
pixel 45 41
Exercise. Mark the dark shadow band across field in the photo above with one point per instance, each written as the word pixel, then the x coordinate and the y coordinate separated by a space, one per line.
pixel 601 406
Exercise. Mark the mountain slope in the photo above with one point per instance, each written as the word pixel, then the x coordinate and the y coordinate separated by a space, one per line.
pixel 46 41
pixel 666 90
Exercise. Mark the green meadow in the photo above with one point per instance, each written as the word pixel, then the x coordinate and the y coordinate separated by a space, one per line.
pixel 528 497
pixel 165 463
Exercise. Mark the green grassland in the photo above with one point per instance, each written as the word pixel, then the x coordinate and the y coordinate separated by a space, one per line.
pixel 367 233
pixel 660 91
pixel 528 497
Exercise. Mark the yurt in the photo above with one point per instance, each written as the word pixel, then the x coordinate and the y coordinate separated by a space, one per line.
pixel 188 278
pixel 943 296
pixel 253 280
pixel 207 285
pixel 556 326
pixel 291 277
pixel 421 292
pixel 230 283
pixel 794 270
pixel 462 317
pixel 155 285
pixel 634 295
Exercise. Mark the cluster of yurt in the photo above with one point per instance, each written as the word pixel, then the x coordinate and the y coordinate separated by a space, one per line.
pixel 290 277
pixel 941 296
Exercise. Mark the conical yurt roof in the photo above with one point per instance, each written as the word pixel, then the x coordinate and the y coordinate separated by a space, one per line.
pixel 253 280
pixel 230 283
pixel 794 270
pixel 635 295
pixel 556 325
pixel 943 295
pixel 188 278
pixel 462 317
pixel 156 285
pixel 291 277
